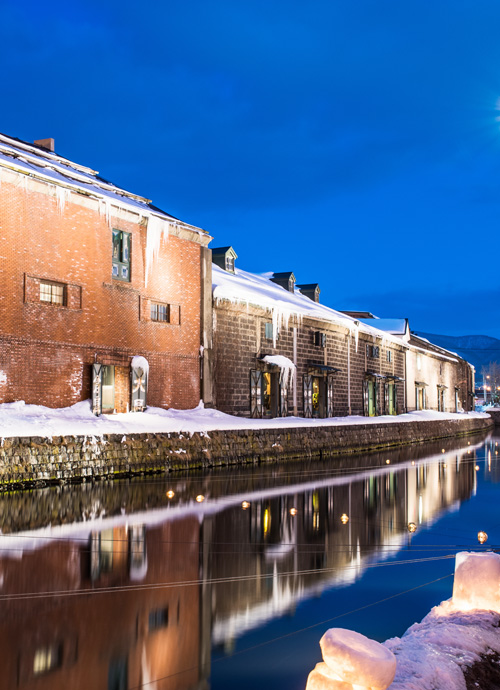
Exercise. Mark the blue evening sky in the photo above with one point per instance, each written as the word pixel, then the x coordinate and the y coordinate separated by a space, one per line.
pixel 354 142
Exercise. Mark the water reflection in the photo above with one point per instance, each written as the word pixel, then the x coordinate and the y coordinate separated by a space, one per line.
pixel 144 592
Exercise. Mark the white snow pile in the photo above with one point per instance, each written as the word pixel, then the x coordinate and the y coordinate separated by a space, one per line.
pixel 286 365
pixel 431 655
pixel 252 289
pixel 352 661
pixel 18 419
pixel 139 362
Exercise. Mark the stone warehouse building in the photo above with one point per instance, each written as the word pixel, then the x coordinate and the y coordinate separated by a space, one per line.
pixel 436 379
pixel 278 351
pixel 102 292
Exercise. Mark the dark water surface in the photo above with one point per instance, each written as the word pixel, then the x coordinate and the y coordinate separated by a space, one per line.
pixel 136 584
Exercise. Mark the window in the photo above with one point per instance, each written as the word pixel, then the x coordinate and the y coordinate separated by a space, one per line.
pixel 158 619
pixel 389 355
pixel 52 293
pixel 47 658
pixel 269 331
pixel 160 312
pixel 229 263
pixel 121 255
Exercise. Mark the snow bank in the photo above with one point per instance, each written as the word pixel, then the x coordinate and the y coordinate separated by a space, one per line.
pixel 431 654
pixel 18 419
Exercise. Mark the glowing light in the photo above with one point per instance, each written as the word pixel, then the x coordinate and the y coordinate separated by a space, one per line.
pixel 344 519
pixel 476 468
pixel 293 511
pixel 482 537
pixel 442 450
pixel 170 494
pixel 412 527
pixel 245 505
pixel 200 498
pixel 468 443
pixel 267 521
pixel 413 462
pixel 388 462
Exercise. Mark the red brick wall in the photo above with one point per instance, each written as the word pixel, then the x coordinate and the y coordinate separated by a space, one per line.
pixel 47 350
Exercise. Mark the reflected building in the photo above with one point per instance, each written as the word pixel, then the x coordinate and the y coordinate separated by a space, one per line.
pixel 138 603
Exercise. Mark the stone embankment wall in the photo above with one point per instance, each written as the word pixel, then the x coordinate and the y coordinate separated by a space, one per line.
pixel 495 415
pixel 30 460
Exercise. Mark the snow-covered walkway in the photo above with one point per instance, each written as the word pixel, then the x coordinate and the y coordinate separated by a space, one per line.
pixel 18 419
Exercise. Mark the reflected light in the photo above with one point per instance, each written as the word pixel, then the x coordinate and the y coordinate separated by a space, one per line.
pixel 344 519
pixel 170 494
pixel 245 505
pixel 387 462
pixel 442 450
pixel 293 511
pixel 413 462
pixel 482 537
pixel 200 498
pixel 476 468
pixel 267 521
pixel 412 527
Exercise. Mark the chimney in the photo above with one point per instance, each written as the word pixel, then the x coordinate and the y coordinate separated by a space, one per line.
pixel 45 144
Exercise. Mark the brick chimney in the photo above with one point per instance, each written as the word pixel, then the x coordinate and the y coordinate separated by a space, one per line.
pixel 45 144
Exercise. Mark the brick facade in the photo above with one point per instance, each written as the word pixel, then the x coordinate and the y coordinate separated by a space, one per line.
pixel 240 341
pixel 47 349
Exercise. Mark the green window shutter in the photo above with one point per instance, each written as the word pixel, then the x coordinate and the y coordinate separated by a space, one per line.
pixel 97 389
pixel 256 393
pixel 125 247
pixel 308 395
pixel 139 389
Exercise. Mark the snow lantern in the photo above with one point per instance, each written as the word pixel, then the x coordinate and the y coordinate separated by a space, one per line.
pixel 477 581
pixel 351 659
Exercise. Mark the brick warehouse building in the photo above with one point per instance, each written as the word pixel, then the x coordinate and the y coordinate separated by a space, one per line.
pixel 263 326
pixel 93 276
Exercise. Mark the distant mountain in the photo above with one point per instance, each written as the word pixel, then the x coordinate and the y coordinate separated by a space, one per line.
pixel 479 350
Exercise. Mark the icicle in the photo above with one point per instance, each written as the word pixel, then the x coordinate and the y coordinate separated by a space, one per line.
pixel 157 228
pixel 105 210
pixel 62 196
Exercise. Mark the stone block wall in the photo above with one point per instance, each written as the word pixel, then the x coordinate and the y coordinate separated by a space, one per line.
pixel 37 461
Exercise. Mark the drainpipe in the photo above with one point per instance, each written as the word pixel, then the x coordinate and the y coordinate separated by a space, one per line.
pixel 349 373
pixel 294 357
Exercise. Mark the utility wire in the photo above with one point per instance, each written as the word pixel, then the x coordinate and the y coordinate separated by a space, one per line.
pixel 296 632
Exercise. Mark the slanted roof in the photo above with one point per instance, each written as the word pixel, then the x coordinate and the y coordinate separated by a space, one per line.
pixel 40 163
pixel 394 326
pixel 223 251
pixel 426 345
pixel 357 314
pixel 242 287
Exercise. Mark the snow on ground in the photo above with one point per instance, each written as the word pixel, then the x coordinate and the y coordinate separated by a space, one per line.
pixel 431 654
pixel 18 419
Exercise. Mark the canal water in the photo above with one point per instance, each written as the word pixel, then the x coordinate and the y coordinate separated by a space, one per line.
pixel 228 578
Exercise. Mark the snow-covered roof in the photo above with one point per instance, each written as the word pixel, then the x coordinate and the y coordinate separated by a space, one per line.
pixel 394 326
pixel 258 290
pixel 40 163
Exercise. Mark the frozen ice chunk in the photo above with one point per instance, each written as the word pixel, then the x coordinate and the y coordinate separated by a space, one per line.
pixel 477 581
pixel 322 678
pixel 358 660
